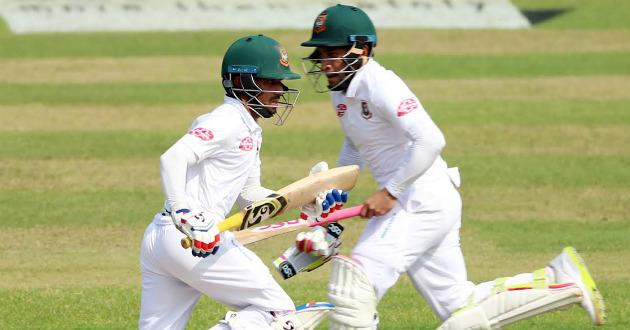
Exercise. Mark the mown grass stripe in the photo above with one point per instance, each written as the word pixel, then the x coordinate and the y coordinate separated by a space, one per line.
pixel 520 204
pixel 208 69
pixel 603 236
pixel 536 170
pixel 506 65
pixel 522 41
pixel 63 306
pixel 517 89
pixel 462 140
pixel 117 305
pixel 508 203
pixel 393 41
pixel 534 112
pixel 111 93
pixel 538 140
pixel 602 87
pixel 309 115
pixel 85 145
pixel 564 170
pixel 109 69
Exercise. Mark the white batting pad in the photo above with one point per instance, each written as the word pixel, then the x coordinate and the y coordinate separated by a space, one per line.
pixel 352 294
pixel 508 307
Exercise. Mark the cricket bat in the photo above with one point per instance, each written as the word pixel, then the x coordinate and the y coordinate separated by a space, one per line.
pixel 258 234
pixel 301 192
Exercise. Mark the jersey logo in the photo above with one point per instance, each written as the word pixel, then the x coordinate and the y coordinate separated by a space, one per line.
pixel 320 23
pixel 202 133
pixel 247 144
pixel 407 106
pixel 341 110
pixel 284 57
pixel 365 112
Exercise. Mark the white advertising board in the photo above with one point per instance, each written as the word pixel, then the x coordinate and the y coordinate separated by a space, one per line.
pixel 23 16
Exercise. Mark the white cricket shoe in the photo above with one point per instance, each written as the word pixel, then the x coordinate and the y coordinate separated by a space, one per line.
pixel 570 267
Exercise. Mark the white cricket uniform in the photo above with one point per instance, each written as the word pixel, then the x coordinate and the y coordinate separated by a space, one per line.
pixel 226 143
pixel 387 129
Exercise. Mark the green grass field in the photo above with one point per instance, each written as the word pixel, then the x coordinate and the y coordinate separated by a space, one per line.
pixel 538 121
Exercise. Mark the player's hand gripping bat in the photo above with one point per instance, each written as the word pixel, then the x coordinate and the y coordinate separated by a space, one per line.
pixel 299 193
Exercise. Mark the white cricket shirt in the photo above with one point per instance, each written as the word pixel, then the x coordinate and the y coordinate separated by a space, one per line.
pixel 387 129
pixel 227 142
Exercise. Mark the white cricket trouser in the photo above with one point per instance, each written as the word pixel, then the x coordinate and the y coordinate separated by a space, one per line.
pixel 420 236
pixel 173 280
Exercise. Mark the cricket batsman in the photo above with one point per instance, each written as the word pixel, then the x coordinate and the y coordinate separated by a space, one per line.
pixel 214 165
pixel 415 216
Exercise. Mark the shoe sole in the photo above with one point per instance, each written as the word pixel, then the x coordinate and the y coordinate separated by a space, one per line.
pixel 597 300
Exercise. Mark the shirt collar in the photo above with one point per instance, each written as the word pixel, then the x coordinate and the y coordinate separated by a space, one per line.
pixel 245 115
pixel 358 77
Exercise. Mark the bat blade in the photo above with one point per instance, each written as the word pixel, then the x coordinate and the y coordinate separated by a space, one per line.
pixel 301 192
pixel 305 191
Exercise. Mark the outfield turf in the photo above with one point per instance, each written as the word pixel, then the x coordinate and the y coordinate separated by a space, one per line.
pixel 538 121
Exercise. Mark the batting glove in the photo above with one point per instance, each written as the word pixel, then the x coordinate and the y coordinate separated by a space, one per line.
pixel 326 203
pixel 313 242
pixel 319 241
pixel 294 260
pixel 203 231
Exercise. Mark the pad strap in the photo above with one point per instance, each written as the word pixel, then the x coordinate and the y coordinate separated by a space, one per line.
pixel 540 279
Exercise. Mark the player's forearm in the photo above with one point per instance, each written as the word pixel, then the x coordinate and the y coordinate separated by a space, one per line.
pixel 174 164
pixel 419 157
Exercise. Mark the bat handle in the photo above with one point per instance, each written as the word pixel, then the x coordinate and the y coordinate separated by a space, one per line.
pixel 186 242
pixel 339 215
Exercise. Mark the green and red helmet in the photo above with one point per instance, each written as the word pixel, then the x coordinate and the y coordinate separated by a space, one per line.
pixel 339 26
pixel 258 55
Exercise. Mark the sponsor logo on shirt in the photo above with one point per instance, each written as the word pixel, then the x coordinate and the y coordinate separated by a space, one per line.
pixel 202 133
pixel 407 106
pixel 247 144
pixel 320 23
pixel 365 112
pixel 341 110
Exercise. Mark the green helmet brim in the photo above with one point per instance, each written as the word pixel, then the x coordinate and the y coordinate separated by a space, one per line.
pixel 281 73
pixel 326 43
pixel 282 76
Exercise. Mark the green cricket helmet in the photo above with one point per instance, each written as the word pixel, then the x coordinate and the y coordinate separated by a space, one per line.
pixel 339 26
pixel 259 57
